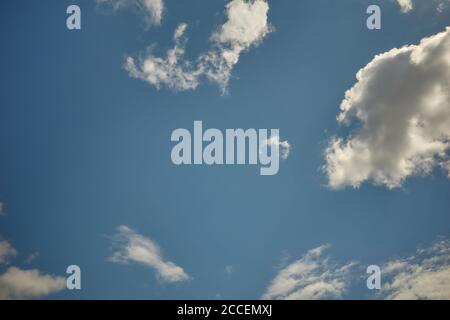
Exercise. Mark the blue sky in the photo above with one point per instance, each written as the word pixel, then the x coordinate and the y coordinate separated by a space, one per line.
pixel 86 149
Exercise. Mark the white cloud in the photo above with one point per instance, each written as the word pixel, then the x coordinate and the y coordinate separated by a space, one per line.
pixel 152 9
pixel 16 283
pixel 133 247
pixel 311 277
pixel 6 252
pixel 27 284
pixel 439 6
pixel 284 146
pixel 401 106
pixel 172 71
pixel 246 26
pixel 405 5
pixel 424 276
pixel 2 212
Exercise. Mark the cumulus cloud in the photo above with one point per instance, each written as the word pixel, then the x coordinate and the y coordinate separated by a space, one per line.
pixel 16 283
pixel 152 9
pixel 400 107
pixel 424 276
pixel 133 247
pixel 246 26
pixel 6 252
pixel 309 278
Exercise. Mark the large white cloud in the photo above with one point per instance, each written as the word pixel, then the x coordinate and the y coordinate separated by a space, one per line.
pixel 152 9
pixel 309 278
pixel 425 275
pixel 133 247
pixel 16 283
pixel 246 26
pixel 401 108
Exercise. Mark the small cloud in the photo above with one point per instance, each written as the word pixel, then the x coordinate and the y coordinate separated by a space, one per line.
pixel 6 252
pixel 133 247
pixel 405 5
pixel 284 146
pixel 438 6
pixel 152 10
pixel 309 278
pixel 16 283
pixel 32 257
pixel 229 269
pixel 172 71
pixel 2 209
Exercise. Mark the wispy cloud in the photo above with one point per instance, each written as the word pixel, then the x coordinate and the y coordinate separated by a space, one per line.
pixel 229 269
pixel 406 6
pixel 152 10
pixel 422 276
pixel 309 278
pixel 7 252
pixel 133 247
pixel 246 26
pixel 425 275
pixel 172 71
pixel 401 102
pixel 33 256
